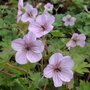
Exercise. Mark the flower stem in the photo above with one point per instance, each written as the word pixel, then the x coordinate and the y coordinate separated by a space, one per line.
pixel 17 68
pixel 7 73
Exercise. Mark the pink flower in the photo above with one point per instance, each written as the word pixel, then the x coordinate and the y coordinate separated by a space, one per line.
pixel 77 39
pixel 68 20
pixel 30 13
pixel 28 49
pixel 20 6
pixel 42 25
pixel 48 7
pixel 59 69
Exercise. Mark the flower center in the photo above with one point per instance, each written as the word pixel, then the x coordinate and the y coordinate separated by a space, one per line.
pixel 75 39
pixel 27 48
pixel 43 28
pixel 57 69
pixel 30 14
pixel 68 19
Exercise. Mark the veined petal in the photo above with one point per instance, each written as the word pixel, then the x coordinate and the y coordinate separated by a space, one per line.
pixel 49 28
pixel 49 18
pixel 30 37
pixel 21 57
pixel 28 7
pixel 34 12
pixel 57 81
pixel 33 57
pixel 37 46
pixel 66 75
pixel 20 4
pixel 48 71
pixel 36 29
pixel 55 58
pixel 67 62
pixel 41 19
pixel 25 17
pixel 18 44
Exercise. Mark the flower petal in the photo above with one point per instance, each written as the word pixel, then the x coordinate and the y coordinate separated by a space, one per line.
pixel 37 46
pixel 67 23
pixel 74 36
pixel 66 75
pixel 81 43
pixel 18 44
pixel 30 37
pixel 34 12
pixel 20 4
pixel 28 7
pixel 37 29
pixel 21 57
pixel 48 7
pixel 82 37
pixel 50 18
pixel 48 71
pixel 41 19
pixel 45 18
pixel 55 58
pixel 71 23
pixel 19 15
pixel 57 81
pixel 67 62
pixel 66 17
pixel 25 17
pixel 73 19
pixel 33 57
pixel 70 44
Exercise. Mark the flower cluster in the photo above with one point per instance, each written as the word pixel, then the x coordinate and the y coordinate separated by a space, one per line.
pixel 30 47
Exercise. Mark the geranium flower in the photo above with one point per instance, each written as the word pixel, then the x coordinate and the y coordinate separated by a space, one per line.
pixel 48 7
pixel 68 20
pixel 76 39
pixel 30 13
pixel 59 69
pixel 42 25
pixel 28 49
pixel 20 6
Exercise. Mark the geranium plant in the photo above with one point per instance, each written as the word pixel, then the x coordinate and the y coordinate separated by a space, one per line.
pixel 44 45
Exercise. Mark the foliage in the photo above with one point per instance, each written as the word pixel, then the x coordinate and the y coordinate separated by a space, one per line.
pixel 29 77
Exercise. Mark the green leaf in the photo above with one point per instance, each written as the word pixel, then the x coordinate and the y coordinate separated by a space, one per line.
pixel 35 77
pixel 58 20
pixel 56 33
pixel 56 45
pixel 79 55
pixel 83 86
